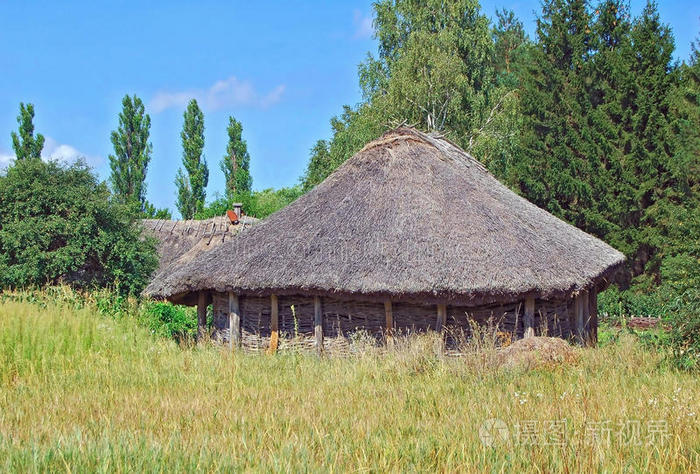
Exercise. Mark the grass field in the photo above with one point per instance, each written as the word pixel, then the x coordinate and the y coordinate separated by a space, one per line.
pixel 81 392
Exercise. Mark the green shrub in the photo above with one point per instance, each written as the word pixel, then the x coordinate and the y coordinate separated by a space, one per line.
pixel 681 288
pixel 615 305
pixel 112 304
pixel 217 207
pixel 152 212
pixel 676 301
pixel 685 333
pixel 59 224
pixel 165 319
pixel 269 201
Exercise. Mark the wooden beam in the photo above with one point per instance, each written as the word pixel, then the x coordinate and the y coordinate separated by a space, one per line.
pixel 581 308
pixel 234 321
pixel 318 324
pixel 592 328
pixel 202 301
pixel 389 314
pixel 578 317
pixel 440 325
pixel 529 318
pixel 585 304
pixel 441 317
pixel 274 325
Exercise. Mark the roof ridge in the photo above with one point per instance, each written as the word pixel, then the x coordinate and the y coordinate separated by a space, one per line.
pixel 437 140
pixel 385 141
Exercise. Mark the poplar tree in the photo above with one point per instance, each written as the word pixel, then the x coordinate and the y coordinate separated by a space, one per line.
pixel 192 182
pixel 236 163
pixel 132 153
pixel 26 145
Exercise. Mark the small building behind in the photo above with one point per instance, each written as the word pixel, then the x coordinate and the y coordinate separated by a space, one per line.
pixel 184 239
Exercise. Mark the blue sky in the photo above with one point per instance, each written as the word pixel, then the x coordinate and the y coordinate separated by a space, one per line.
pixel 281 68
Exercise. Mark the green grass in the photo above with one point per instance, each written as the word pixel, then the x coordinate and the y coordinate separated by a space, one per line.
pixel 82 392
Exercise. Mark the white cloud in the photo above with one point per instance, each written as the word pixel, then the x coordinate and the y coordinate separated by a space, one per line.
pixel 61 152
pixel 228 92
pixel 274 96
pixel 363 25
pixel 66 153
pixel 5 159
pixel 164 100
pixel 55 151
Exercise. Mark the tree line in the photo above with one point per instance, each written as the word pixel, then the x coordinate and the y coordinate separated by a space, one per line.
pixel 592 119
pixel 60 223
pixel 132 155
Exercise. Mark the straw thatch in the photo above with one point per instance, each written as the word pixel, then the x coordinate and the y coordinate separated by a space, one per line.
pixel 536 352
pixel 182 240
pixel 410 217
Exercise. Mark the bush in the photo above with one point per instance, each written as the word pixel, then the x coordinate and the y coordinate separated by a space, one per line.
pixel 676 301
pixel 615 305
pixel 685 333
pixel 59 224
pixel 165 319
pixel 151 212
pixel 269 201
pixel 681 287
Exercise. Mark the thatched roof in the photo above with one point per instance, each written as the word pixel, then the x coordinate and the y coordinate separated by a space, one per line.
pixel 183 239
pixel 410 216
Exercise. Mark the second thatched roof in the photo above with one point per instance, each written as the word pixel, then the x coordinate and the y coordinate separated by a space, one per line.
pixel 410 216
pixel 182 240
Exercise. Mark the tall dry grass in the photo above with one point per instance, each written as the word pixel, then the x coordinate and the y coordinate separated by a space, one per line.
pixel 80 392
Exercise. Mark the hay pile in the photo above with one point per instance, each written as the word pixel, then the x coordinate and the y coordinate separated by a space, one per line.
pixel 535 352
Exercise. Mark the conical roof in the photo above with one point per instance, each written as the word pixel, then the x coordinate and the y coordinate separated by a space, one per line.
pixel 410 216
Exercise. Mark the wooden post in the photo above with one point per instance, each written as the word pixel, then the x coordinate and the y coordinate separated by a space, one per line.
pixel 441 317
pixel 234 321
pixel 201 314
pixel 274 325
pixel 388 312
pixel 592 326
pixel 585 303
pixel 440 325
pixel 578 317
pixel 318 324
pixel 529 318
pixel 581 307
